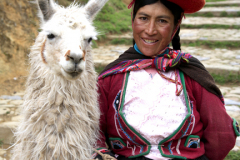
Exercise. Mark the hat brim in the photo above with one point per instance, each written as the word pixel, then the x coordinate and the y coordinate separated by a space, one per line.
pixel 189 6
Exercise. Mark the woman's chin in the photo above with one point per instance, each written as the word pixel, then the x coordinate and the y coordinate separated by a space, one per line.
pixel 149 52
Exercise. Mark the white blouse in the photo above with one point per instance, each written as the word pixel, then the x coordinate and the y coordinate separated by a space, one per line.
pixel 152 108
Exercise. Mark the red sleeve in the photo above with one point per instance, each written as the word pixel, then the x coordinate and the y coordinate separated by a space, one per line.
pixel 103 90
pixel 218 134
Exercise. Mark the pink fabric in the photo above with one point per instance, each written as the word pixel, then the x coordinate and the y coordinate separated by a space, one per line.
pixel 151 72
pixel 152 108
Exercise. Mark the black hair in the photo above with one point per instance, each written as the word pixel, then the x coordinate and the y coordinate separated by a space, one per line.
pixel 176 11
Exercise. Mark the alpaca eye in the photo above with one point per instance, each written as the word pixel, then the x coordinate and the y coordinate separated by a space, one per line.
pixel 51 36
pixel 89 40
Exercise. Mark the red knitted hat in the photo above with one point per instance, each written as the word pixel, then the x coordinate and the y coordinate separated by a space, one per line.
pixel 189 6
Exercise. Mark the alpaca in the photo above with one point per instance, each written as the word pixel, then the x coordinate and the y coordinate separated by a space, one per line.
pixel 60 112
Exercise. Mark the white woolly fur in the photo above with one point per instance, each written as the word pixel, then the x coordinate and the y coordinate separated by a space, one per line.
pixel 60 115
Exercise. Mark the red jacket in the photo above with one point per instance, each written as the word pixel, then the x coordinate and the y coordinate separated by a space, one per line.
pixel 207 129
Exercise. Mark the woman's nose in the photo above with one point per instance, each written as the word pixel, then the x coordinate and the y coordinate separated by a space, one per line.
pixel 151 28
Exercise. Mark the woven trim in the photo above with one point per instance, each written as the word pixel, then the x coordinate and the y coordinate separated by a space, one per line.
pixel 236 127
pixel 120 141
pixel 191 137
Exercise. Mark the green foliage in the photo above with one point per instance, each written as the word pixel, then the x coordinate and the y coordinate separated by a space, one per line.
pixel 94 44
pixel 122 41
pixel 223 79
pixel 1 142
pixel 221 5
pixel 233 155
pixel 212 44
pixel 210 26
pixel 214 0
pixel 223 14
pixel 209 14
pixel 114 18
pixel 99 69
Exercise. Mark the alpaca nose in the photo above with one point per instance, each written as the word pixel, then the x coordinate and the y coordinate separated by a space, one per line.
pixel 76 58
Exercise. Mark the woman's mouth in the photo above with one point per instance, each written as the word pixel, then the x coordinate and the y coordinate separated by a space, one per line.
pixel 148 41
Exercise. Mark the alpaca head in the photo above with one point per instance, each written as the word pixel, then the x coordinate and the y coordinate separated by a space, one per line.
pixel 67 33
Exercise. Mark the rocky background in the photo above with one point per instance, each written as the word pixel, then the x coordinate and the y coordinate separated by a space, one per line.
pixel 18 29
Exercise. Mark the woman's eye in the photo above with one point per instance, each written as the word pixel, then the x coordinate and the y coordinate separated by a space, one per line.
pixel 162 21
pixel 143 18
pixel 51 36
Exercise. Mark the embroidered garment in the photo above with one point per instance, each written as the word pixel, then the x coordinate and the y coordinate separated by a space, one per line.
pixel 173 58
pixel 152 108
pixel 193 69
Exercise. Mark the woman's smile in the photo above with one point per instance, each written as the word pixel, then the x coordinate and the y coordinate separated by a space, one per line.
pixel 149 41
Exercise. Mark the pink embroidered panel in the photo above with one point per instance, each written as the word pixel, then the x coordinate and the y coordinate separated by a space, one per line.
pixel 152 108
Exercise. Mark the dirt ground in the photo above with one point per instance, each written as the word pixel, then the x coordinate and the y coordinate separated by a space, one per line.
pixel 11 86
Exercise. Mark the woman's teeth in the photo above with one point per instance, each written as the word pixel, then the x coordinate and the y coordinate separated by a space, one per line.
pixel 150 41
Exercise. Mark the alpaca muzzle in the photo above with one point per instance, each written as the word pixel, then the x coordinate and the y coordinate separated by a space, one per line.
pixel 74 63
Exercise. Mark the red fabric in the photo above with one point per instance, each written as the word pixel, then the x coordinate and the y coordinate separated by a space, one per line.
pixel 218 133
pixel 212 123
pixel 189 6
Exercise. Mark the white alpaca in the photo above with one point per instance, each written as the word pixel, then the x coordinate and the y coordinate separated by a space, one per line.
pixel 60 111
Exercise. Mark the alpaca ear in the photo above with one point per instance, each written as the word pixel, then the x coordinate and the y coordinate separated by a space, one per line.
pixel 47 9
pixel 93 7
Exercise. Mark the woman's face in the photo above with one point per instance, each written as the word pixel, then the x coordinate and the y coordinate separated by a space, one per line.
pixel 153 27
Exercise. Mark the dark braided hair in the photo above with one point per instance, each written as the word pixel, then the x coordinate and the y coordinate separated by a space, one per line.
pixel 176 11
pixel 176 40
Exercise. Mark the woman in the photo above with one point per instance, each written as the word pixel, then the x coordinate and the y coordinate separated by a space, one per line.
pixel 159 103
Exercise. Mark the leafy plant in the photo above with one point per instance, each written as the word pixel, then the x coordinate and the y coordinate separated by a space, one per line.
pixel 1 142
pixel 233 155
pixel 122 41
pixel 209 14
pixel 214 0
pixel 210 26
pixel 221 5
pixel 212 44
pixel 99 69
pixel 223 79
pixel 114 18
